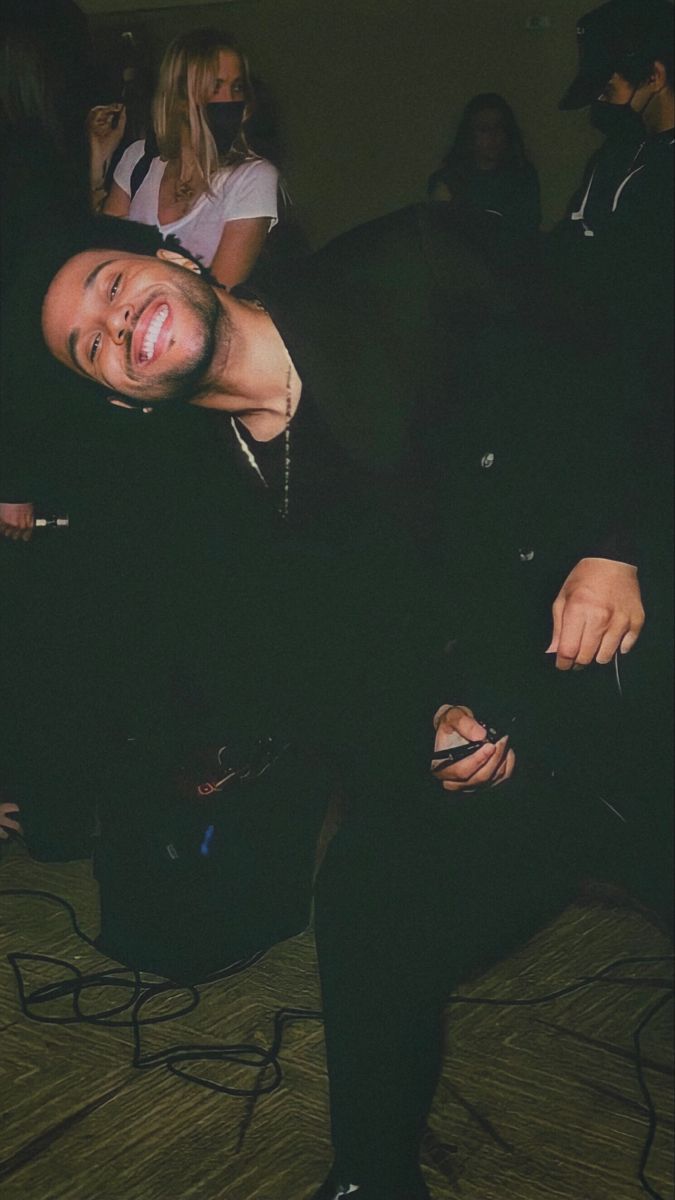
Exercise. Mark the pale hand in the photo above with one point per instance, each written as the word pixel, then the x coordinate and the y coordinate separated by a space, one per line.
pixel 487 767
pixel 16 521
pixel 7 823
pixel 103 133
pixel 597 612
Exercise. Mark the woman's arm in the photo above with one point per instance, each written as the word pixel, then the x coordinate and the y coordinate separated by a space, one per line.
pixel 116 203
pixel 105 127
pixel 240 244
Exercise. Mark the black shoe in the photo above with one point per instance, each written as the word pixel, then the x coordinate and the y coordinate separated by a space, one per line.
pixel 336 1186
pixel 333 1189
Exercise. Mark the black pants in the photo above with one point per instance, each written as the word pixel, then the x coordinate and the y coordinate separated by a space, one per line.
pixel 408 906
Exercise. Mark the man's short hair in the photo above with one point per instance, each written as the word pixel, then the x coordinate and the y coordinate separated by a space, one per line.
pixel 28 369
pixel 98 233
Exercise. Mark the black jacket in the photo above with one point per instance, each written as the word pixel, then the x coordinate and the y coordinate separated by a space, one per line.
pixel 500 449
pixel 475 485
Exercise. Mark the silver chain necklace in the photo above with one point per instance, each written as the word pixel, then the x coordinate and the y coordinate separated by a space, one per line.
pixel 250 456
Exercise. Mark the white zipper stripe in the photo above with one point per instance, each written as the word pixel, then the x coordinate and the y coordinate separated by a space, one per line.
pixel 579 214
pixel 627 180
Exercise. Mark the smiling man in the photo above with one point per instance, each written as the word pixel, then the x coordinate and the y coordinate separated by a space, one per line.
pixel 140 327
pixel 135 327
pixel 388 363
pixel 154 331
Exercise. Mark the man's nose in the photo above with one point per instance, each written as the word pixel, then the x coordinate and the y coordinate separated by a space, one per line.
pixel 119 322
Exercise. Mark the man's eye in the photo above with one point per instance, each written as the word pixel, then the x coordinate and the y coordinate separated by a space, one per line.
pixel 94 347
pixel 115 287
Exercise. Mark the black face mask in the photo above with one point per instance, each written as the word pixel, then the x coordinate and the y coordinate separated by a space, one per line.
pixel 618 122
pixel 224 118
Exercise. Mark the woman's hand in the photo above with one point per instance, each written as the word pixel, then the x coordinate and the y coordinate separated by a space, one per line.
pixel 7 823
pixel 16 521
pixel 487 767
pixel 105 127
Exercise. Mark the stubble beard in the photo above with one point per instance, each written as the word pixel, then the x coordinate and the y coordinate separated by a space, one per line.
pixel 182 383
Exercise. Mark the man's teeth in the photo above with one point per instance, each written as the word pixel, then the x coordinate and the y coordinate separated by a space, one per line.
pixel 153 332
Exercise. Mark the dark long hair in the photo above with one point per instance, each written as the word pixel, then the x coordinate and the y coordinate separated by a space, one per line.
pixel 46 72
pixel 460 154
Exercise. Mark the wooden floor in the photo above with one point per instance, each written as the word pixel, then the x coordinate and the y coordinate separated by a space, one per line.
pixel 535 1103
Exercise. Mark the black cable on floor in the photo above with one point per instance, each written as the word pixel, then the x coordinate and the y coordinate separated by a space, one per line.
pixel 605 977
pixel 651 1110
pixel 259 1058
pixel 144 988
pixel 568 990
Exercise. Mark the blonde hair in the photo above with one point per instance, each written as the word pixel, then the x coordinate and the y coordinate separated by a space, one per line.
pixel 187 78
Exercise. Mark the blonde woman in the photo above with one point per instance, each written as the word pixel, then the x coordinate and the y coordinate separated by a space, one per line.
pixel 200 181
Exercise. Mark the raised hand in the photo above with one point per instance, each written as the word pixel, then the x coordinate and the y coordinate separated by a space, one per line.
pixel 105 127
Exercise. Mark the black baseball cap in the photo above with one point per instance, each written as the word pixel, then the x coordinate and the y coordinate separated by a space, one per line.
pixel 617 35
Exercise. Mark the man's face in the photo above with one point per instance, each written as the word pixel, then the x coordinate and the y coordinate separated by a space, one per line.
pixel 618 90
pixel 135 324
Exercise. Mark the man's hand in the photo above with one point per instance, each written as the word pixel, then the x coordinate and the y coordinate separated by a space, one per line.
pixel 16 521
pixel 7 823
pixel 597 612
pixel 485 768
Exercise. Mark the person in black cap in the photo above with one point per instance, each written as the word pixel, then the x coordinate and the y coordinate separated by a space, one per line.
pixel 612 271
pixel 616 278
pixel 621 38
pixel 611 260
pixel 625 77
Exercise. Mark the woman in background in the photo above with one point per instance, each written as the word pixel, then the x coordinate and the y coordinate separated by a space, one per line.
pixel 201 180
pixel 487 169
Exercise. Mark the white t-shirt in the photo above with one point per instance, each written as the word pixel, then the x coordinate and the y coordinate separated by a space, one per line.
pixel 247 189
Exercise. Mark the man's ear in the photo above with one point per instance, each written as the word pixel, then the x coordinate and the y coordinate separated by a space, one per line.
pixel 658 76
pixel 178 260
